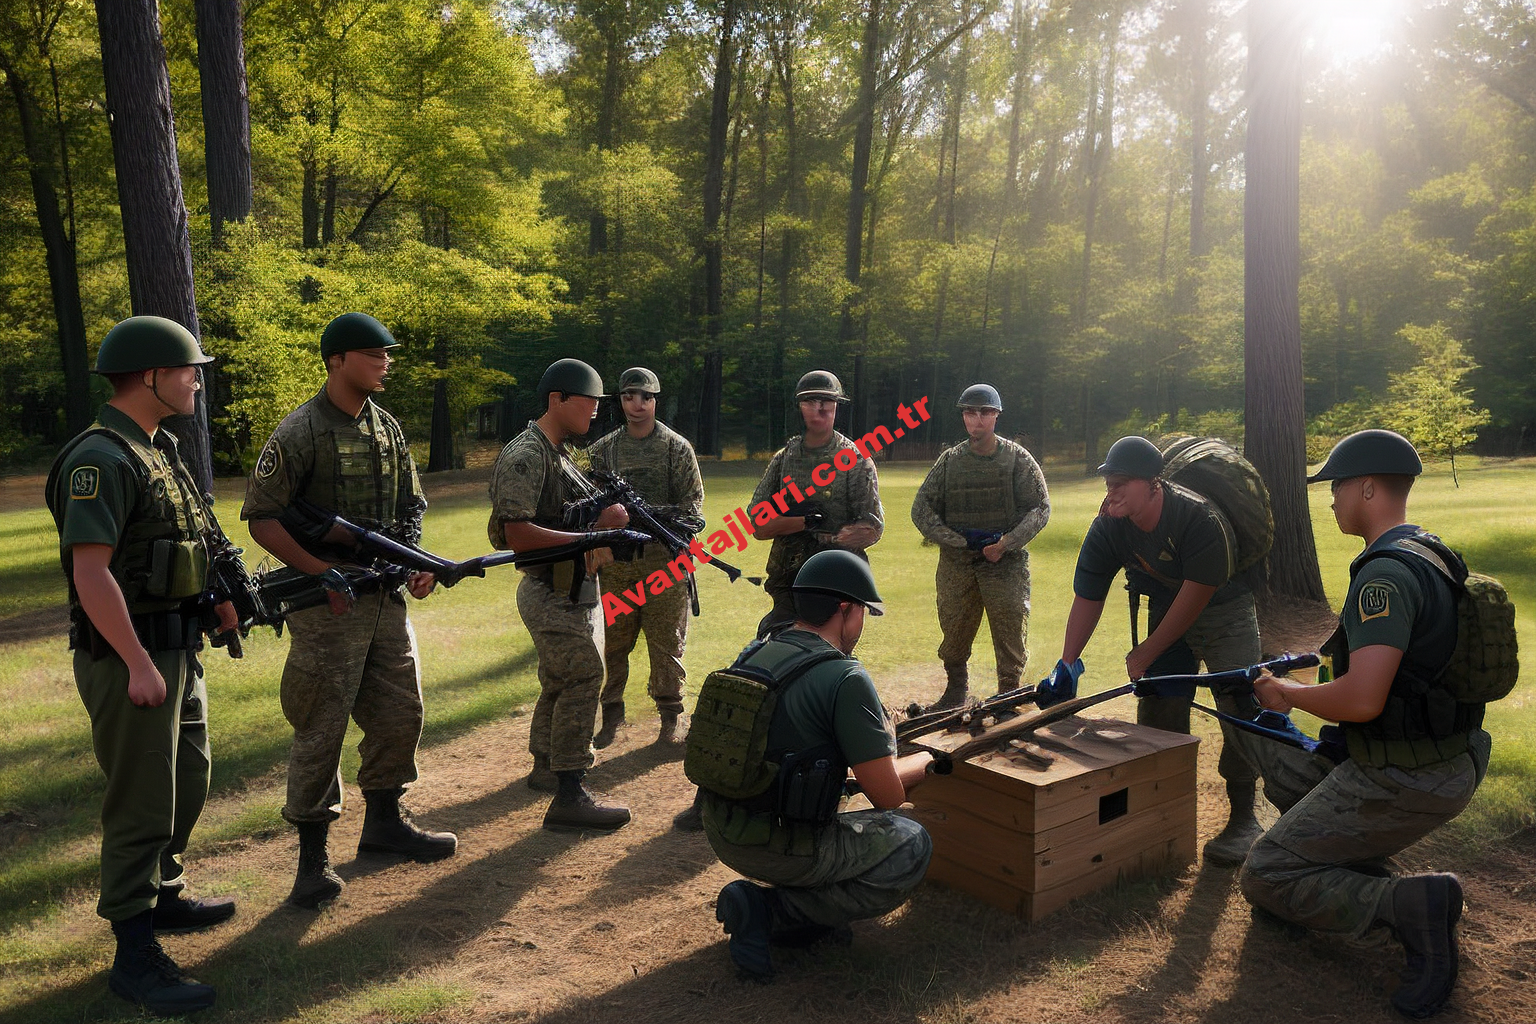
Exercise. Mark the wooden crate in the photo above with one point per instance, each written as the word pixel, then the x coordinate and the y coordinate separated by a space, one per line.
pixel 1116 802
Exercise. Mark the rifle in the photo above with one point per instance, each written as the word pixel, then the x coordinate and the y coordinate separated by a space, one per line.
pixel 976 540
pixel 921 723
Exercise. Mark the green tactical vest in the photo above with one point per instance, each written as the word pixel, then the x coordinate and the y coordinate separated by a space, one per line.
pixel 978 491
pixel 161 559
pixel 362 465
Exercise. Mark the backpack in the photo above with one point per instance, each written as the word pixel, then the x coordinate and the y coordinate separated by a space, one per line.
pixel 1216 471
pixel 1486 663
pixel 727 746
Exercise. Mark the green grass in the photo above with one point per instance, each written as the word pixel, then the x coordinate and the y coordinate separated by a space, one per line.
pixel 477 661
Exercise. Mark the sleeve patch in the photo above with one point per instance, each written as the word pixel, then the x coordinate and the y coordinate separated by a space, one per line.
pixel 1375 600
pixel 84 483
pixel 270 461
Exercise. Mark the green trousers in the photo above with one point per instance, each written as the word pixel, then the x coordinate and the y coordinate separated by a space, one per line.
pixel 966 585
pixel 156 761
pixel 569 639
pixel 663 617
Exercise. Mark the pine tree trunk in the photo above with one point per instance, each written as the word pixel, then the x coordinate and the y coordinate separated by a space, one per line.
pixel 226 111
pixel 714 180
pixel 858 178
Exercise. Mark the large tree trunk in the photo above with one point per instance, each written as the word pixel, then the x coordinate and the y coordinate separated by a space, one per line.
pixel 440 454
pixel 1274 411
pixel 155 237
pixel 607 115
pixel 714 250
pixel 1198 16
pixel 226 111
pixel 858 180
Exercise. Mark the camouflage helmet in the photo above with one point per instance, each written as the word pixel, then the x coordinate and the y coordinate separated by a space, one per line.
pixel 638 378
pixel 148 343
pixel 570 377
pixel 820 384
pixel 1133 456
pixel 352 331
pixel 840 574
pixel 1369 453
pixel 980 396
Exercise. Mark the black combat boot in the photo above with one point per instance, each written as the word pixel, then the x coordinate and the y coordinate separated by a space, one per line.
pixel 691 820
pixel 744 910
pixel 315 882
pixel 671 734
pixel 574 810
pixel 1425 910
pixel 956 690
pixel 613 717
pixel 178 911
pixel 1230 847
pixel 388 829
pixel 541 779
pixel 146 976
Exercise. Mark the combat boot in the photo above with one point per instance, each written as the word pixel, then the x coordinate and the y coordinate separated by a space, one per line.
pixel 388 829
pixel 744 911
pixel 613 717
pixel 956 690
pixel 145 975
pixel 541 779
pixel 315 882
pixel 1230 848
pixel 178 911
pixel 574 810
pixel 1425 910
pixel 670 734
pixel 691 820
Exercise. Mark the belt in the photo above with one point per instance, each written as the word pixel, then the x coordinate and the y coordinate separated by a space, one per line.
pixel 157 631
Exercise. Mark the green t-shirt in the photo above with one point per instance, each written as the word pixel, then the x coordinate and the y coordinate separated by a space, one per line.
pixel 833 703
pixel 1387 605
pixel 1191 542
pixel 98 485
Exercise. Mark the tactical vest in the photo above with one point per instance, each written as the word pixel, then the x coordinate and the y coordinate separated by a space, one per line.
pixel 646 463
pixel 978 491
pixel 362 466
pixel 161 558
pixel 790 552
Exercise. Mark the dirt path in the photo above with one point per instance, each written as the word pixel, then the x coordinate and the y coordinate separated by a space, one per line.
pixel 530 925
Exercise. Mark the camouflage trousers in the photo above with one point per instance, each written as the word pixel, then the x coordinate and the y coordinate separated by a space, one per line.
pixel 569 641
pixel 967 585
pixel 664 619
pixel 156 761
pixel 1225 636
pixel 864 864
pixel 362 666
pixel 1324 864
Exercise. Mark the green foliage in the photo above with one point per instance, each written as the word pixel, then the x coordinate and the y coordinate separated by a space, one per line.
pixel 1432 408
pixel 1326 429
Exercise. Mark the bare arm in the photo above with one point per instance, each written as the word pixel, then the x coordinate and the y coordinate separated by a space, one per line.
pixel 1187 606
pixel 1356 696
pixel 276 539
pixel 522 535
pixel 1081 622
pixel 885 780
pixel 780 526
pixel 104 604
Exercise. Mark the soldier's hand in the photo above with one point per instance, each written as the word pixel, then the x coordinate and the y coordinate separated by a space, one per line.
pixel 993 552
pixel 1139 660
pixel 228 618
pixel 597 558
pixel 1270 694
pixel 146 687
pixel 420 584
pixel 614 517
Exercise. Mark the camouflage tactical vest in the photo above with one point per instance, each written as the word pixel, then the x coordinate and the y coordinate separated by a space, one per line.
pixel 361 469
pixel 836 497
pixel 978 490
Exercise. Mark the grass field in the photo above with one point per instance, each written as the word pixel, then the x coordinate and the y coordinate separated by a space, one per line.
pixel 478 666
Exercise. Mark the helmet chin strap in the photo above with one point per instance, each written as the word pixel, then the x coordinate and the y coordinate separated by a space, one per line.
pixel 154 388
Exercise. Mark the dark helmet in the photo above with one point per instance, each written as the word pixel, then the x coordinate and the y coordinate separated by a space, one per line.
pixel 841 574
pixel 980 396
pixel 1367 453
pixel 638 378
pixel 570 377
pixel 148 343
pixel 820 384
pixel 1133 456
pixel 352 331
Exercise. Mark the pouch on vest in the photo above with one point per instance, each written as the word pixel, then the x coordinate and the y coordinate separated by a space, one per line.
pixel 177 569
pixel 810 784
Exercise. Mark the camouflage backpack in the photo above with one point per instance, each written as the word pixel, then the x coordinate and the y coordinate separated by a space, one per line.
pixel 1214 470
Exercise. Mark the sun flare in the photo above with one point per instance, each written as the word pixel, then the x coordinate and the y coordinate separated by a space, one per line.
pixel 1348 31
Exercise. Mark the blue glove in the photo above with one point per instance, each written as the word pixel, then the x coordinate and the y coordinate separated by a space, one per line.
pixel 1060 685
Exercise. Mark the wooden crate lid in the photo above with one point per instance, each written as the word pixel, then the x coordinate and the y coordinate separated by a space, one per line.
pixel 1076 745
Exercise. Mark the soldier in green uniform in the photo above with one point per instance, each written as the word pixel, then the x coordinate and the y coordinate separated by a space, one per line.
pixel 661 465
pixel 821 875
pixel 1416 754
pixel 133 542
pixel 531 483
pixel 1179 550
pixel 344 454
pixel 851 517
pixel 982 501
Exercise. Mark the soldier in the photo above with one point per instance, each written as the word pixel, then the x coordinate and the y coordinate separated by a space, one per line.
pixel 661 465
pixel 844 514
pixel 344 454
pixel 1416 751
pixel 1179 550
pixel 982 501
pixel 133 530
pixel 531 483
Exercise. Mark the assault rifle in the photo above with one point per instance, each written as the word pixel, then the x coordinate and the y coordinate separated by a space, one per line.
pixel 1059 686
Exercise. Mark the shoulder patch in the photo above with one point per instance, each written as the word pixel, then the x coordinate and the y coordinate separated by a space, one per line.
pixel 84 483
pixel 1375 600
pixel 270 460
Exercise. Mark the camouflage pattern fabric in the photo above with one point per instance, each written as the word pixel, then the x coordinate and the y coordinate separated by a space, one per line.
pixel 362 666
pixel 661 465
pixel 1003 491
pixel 966 584
pixel 663 617
pixel 569 640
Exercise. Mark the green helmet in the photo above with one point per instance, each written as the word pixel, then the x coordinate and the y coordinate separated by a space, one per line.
pixel 570 377
pixel 352 331
pixel 841 574
pixel 980 396
pixel 638 378
pixel 1133 456
pixel 148 343
pixel 1367 453
pixel 820 384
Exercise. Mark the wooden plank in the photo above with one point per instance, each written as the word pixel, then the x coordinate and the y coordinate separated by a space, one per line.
pixel 1002 895
pixel 1112 845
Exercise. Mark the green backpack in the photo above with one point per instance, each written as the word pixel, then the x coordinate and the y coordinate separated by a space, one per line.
pixel 727 747
pixel 1214 470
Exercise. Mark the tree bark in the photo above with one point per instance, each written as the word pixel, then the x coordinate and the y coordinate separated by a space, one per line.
pixel 440 454
pixel 607 115
pixel 1198 19
pixel 226 111
pixel 1274 410
pixel 858 179
pixel 155 235
pixel 714 250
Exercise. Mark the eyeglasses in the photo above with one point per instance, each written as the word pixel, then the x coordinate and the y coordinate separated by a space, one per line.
pixel 819 404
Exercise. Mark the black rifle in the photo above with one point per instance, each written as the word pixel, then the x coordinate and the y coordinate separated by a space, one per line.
pixel 970 717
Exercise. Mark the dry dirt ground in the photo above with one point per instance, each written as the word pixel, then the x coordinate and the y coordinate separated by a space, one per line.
pixel 528 925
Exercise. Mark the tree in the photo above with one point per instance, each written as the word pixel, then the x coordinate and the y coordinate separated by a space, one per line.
pixel 1432 407
pixel 226 111
pixel 1274 398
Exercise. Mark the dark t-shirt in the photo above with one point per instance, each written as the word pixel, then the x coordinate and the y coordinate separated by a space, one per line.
pixel 1389 604
pixel 832 703
pixel 1191 542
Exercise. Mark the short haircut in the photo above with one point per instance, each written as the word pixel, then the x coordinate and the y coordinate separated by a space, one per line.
pixel 120 381
pixel 1396 484
pixel 816 607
